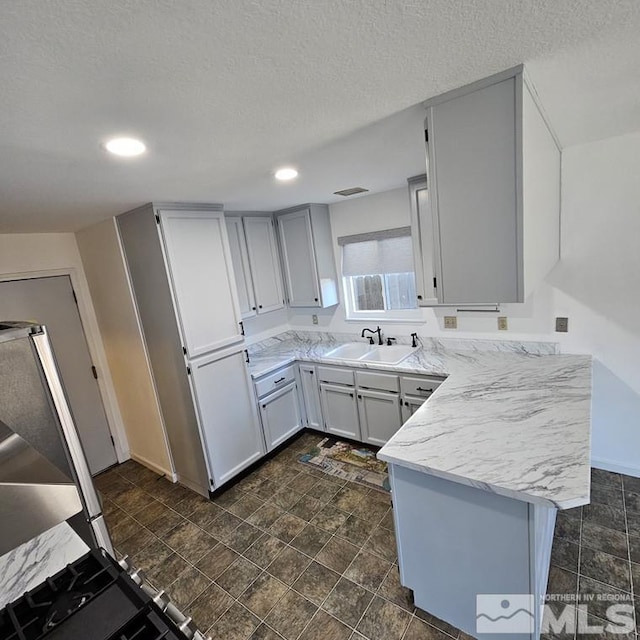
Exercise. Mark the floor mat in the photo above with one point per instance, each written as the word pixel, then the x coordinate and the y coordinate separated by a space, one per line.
pixel 349 462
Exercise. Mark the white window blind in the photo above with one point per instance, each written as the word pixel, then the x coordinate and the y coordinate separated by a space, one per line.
pixel 378 252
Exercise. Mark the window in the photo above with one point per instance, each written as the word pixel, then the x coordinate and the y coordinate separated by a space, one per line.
pixel 378 276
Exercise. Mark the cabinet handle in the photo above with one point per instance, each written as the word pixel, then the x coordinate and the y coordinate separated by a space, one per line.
pixel 316 299
pixel 359 397
pixel 259 306
pixel 279 380
pixel 419 297
pixel 264 406
pixel 425 390
pixel 246 353
pixel 351 394
pixel 253 308
pixel 310 373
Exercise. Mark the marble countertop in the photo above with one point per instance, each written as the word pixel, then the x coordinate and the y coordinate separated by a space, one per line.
pixel 32 562
pixel 511 418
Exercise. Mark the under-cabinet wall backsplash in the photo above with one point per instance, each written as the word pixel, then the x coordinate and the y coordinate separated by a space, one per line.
pixel 432 344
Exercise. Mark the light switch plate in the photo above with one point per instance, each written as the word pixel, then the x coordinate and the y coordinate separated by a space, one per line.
pixel 562 325
pixel 450 322
pixel 314 319
pixel 502 323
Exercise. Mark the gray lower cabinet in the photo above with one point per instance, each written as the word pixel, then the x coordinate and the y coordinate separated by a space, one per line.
pixel 230 429
pixel 340 410
pixel 280 414
pixel 311 396
pixel 409 405
pixel 379 415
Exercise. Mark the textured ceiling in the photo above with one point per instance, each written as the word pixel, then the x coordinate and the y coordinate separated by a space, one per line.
pixel 225 91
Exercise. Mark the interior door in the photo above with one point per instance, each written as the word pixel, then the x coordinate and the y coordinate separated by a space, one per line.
pixel 265 263
pixel 51 302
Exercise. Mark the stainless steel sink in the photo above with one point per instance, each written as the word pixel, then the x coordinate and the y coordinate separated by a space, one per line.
pixel 362 352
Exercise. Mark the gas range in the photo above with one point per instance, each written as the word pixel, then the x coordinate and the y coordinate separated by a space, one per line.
pixel 96 598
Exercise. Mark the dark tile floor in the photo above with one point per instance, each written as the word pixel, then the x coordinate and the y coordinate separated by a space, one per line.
pixel 290 553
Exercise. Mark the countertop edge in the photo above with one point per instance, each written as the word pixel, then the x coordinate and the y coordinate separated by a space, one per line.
pixel 486 486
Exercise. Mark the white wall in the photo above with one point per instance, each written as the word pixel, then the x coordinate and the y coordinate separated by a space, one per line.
pixel 124 346
pixel 596 285
pixel 390 209
pixel 41 254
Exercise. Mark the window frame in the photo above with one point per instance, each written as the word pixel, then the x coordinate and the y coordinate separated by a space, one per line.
pixel 404 316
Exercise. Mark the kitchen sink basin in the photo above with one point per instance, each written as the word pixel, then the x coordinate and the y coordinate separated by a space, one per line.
pixel 358 351
pixel 351 351
pixel 388 355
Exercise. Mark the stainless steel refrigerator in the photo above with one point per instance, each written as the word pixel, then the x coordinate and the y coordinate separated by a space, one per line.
pixel 44 475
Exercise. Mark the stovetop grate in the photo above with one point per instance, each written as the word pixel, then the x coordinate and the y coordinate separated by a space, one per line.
pixel 91 599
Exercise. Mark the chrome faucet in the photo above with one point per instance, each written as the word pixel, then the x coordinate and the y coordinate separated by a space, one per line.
pixel 378 331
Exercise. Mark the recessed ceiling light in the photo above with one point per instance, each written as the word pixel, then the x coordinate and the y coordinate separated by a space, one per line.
pixel 126 147
pixel 286 173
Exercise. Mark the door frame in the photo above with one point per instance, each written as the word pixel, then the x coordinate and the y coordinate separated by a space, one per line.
pixel 98 356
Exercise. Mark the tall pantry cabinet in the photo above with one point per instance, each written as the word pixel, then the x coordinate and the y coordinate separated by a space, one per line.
pixel 180 269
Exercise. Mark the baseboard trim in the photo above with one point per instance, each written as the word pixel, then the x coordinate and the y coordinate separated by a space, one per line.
pixel 154 467
pixel 616 467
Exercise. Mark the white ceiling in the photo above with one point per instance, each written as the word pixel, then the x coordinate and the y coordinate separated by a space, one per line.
pixel 225 91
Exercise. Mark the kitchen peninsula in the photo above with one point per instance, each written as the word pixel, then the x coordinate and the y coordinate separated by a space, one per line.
pixel 480 470
pixel 478 474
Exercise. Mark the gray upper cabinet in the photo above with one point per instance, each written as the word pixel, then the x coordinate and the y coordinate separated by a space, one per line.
pixel 264 263
pixel 241 269
pixel 307 256
pixel 422 238
pixel 256 264
pixel 493 204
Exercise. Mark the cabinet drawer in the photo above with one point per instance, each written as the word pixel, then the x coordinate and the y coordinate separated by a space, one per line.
pixel 336 375
pixel 422 387
pixel 274 381
pixel 376 380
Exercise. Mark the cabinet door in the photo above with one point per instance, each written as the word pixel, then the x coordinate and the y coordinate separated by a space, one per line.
pixel 473 194
pixel 203 284
pixel 227 415
pixel 280 413
pixel 340 410
pixel 422 239
pixel 265 263
pixel 379 415
pixel 241 269
pixel 311 396
pixel 409 406
pixel 298 256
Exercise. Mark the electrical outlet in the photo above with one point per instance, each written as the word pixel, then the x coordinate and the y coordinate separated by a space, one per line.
pixel 450 322
pixel 502 323
pixel 562 325
pixel 314 319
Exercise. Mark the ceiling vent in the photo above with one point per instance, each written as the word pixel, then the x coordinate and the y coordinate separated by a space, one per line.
pixel 350 192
